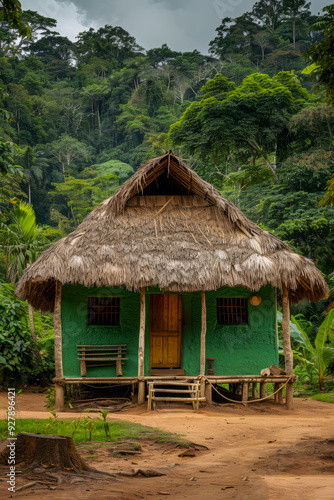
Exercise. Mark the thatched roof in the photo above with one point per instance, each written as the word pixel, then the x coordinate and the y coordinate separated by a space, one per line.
pixel 167 228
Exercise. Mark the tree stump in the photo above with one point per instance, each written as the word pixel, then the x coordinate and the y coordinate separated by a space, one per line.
pixel 46 451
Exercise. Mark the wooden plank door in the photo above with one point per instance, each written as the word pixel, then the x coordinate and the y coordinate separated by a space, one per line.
pixel 165 331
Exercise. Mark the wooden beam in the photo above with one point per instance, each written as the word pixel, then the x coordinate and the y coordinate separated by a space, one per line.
pixel 58 332
pixel 286 333
pixel 141 347
pixel 203 334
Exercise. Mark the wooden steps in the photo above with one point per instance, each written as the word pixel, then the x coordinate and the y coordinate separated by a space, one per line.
pixel 170 388
pixel 167 372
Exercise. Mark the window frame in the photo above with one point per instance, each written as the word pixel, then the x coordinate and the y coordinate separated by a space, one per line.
pixel 243 314
pixel 113 313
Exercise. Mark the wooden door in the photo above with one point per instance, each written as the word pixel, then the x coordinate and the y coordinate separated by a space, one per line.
pixel 165 331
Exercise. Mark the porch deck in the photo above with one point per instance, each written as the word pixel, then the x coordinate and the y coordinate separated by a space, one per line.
pixel 207 382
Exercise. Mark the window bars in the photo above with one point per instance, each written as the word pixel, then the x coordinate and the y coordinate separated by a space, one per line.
pixel 232 311
pixel 103 310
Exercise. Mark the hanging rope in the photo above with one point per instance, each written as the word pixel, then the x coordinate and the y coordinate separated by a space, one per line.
pixel 251 401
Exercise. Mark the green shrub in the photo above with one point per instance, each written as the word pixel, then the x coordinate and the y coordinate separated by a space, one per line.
pixel 16 348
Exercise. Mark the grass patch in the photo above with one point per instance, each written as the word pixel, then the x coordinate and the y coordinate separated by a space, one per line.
pixel 326 397
pixel 88 429
pixel 311 390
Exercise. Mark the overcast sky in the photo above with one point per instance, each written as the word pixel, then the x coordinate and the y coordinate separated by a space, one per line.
pixel 184 25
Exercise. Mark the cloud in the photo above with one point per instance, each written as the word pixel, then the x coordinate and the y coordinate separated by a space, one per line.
pixel 184 25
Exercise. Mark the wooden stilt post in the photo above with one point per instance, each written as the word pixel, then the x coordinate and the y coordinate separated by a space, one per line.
pixel 280 396
pixel 59 397
pixel 202 389
pixel 287 346
pixel 203 335
pixel 276 386
pixel 254 390
pixel 141 348
pixel 289 396
pixel 262 390
pixel 208 394
pixel 245 388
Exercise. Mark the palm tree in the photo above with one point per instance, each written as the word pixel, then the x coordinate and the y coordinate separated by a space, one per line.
pixel 32 167
pixel 22 244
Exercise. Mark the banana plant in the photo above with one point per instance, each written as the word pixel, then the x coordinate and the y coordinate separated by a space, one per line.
pixel 319 355
pixel 21 243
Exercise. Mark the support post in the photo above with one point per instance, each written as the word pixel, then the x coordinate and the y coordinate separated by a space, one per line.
pixel 287 345
pixel 203 385
pixel 60 397
pixel 141 392
pixel 289 396
pixel 245 389
pixel 280 396
pixel 203 334
pixel 150 395
pixel 58 333
pixel 276 386
pixel 141 348
pixel 286 333
pixel 208 394
pixel 262 390
pixel 254 390
pixel 119 363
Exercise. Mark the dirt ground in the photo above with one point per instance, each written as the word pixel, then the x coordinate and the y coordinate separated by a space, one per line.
pixel 259 452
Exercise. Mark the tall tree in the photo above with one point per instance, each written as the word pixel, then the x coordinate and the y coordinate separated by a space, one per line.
pixel 11 13
pixel 268 13
pixel 234 36
pixel 321 55
pixel 296 9
pixel 68 149
pixel 33 167
pixel 254 115
pixel 111 43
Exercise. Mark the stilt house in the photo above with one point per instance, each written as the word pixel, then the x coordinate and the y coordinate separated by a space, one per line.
pixel 163 276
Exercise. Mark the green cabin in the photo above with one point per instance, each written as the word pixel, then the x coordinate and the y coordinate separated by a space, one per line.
pixel 168 279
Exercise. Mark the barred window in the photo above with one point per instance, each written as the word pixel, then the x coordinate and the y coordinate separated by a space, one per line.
pixel 103 310
pixel 232 311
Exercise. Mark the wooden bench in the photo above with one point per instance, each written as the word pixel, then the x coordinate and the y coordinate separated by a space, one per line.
pixel 186 392
pixel 101 355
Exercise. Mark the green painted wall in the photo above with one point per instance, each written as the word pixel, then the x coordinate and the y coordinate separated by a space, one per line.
pixel 76 331
pixel 243 349
pixel 238 350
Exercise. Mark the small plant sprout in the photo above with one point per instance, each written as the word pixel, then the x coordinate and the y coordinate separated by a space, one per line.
pixel 76 424
pixel 89 426
pixel 55 421
pixel 104 414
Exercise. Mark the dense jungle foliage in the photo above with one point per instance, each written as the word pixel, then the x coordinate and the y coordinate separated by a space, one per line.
pixel 78 118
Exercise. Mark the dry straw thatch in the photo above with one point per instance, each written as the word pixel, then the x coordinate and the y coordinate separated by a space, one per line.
pixel 167 228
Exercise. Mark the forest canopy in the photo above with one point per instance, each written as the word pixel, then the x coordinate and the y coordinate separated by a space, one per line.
pixel 78 117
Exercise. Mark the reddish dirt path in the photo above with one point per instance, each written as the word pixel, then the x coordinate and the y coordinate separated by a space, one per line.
pixel 259 452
